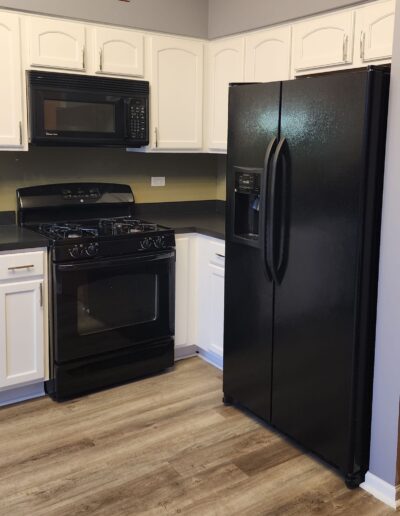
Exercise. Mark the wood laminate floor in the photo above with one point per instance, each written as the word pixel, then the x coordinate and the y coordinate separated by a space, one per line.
pixel 164 445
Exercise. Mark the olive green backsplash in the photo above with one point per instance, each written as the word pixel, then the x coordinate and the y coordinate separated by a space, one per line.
pixel 189 177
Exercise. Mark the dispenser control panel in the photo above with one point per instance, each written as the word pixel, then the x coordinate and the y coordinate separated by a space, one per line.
pixel 247 182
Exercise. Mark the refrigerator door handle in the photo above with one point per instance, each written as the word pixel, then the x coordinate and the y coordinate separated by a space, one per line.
pixel 264 203
pixel 271 227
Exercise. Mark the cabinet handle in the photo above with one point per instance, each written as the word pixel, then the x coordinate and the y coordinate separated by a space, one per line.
pixel 220 255
pixel 20 133
pixel 156 135
pixel 19 267
pixel 101 60
pixel 345 43
pixel 41 293
pixel 83 58
pixel 362 45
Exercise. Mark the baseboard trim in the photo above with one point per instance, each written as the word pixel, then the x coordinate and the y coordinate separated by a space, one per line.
pixel 211 358
pixel 18 394
pixel 381 490
pixel 182 352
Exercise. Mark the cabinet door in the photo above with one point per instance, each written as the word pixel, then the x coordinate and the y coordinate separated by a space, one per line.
pixel 182 292
pixel 216 282
pixel 324 41
pixel 177 93
pixel 376 27
pixel 211 272
pixel 267 55
pixel 226 65
pixel 10 82
pixel 21 333
pixel 119 52
pixel 56 44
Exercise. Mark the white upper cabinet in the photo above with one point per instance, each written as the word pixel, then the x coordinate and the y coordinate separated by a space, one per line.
pixel 268 55
pixel 119 52
pixel 324 41
pixel 176 93
pixel 225 65
pixel 55 43
pixel 11 82
pixel 21 333
pixel 375 27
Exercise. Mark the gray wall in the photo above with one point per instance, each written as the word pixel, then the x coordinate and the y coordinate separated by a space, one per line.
pixel 387 355
pixel 187 17
pixel 231 16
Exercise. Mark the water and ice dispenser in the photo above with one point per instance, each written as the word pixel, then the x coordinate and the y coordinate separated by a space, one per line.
pixel 247 203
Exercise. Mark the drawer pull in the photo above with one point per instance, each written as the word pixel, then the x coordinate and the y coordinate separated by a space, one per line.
pixel 19 267
pixel 220 255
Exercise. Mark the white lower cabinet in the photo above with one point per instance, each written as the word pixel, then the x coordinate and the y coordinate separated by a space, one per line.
pixel 23 319
pixel 21 332
pixel 182 292
pixel 199 320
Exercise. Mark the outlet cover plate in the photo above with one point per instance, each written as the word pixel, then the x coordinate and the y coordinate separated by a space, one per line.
pixel 158 181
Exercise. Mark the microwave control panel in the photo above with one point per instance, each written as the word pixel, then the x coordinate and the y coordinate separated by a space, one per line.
pixel 138 119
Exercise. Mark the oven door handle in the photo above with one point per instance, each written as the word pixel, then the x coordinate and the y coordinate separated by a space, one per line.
pixel 114 262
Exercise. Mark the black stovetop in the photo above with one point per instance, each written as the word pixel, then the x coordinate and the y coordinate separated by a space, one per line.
pixel 96 229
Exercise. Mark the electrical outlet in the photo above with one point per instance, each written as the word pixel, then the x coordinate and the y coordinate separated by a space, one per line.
pixel 158 181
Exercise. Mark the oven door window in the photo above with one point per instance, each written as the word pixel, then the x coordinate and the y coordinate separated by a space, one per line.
pixel 117 301
pixel 105 305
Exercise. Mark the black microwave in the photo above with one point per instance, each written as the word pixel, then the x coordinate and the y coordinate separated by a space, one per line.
pixel 80 110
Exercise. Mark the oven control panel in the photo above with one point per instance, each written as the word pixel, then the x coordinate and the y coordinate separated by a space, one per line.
pixel 113 247
pixel 157 242
pixel 87 250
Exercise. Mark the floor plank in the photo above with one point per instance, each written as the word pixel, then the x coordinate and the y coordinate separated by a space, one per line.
pixel 164 445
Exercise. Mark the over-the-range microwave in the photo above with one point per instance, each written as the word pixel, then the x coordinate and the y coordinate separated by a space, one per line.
pixel 81 110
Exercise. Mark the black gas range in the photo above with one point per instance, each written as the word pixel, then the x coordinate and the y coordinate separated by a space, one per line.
pixel 112 285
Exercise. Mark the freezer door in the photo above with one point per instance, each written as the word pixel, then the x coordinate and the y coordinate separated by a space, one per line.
pixel 323 120
pixel 253 129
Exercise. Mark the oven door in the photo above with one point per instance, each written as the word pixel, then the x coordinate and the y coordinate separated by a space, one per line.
pixel 110 304
pixel 76 118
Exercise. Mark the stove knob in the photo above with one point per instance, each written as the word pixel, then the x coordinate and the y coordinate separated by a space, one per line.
pixel 146 243
pixel 92 249
pixel 160 242
pixel 74 252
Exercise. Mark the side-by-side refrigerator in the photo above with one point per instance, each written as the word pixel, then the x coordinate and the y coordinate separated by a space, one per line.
pixel 304 188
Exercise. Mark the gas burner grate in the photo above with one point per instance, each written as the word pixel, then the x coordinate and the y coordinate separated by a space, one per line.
pixel 68 231
pixel 125 226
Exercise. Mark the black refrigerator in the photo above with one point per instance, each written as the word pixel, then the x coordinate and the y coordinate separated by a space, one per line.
pixel 304 189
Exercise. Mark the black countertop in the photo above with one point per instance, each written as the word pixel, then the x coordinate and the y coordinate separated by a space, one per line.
pixel 204 217
pixel 13 237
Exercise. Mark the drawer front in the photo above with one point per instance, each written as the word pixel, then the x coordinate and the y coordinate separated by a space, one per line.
pixel 21 265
